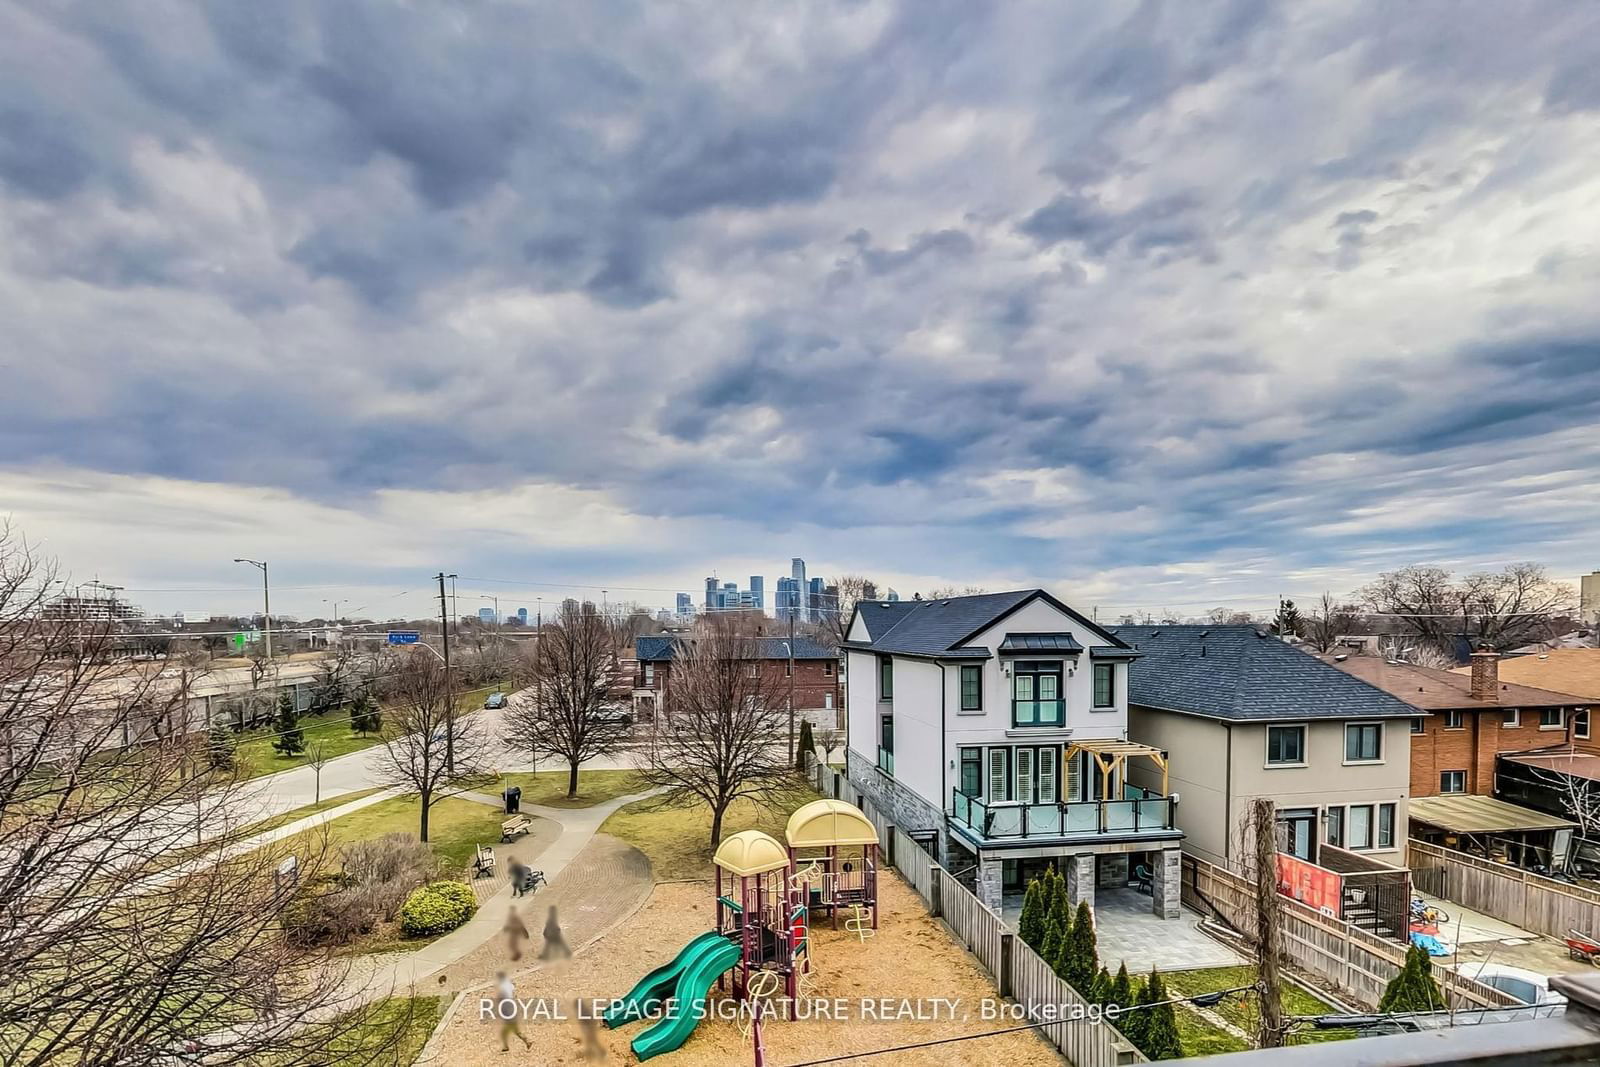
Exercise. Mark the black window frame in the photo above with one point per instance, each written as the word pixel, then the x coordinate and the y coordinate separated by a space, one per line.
pixel 1386 817
pixel 975 752
pixel 886 733
pixel 961 682
pixel 1335 827
pixel 885 679
pixel 1110 702
pixel 1036 669
pixel 1376 729
pixel 1372 826
pixel 1300 761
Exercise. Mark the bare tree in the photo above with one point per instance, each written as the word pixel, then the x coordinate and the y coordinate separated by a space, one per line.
pixel 829 739
pixel 1268 932
pixel 109 955
pixel 336 676
pixel 569 713
pixel 422 719
pixel 852 589
pixel 1506 608
pixel 317 757
pixel 1328 622
pixel 722 735
pixel 1416 652
pixel 945 592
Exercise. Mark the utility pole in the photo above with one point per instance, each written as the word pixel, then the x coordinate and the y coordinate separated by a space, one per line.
pixel 455 607
pixel 450 710
pixel 1269 936
pixel 266 602
pixel 790 646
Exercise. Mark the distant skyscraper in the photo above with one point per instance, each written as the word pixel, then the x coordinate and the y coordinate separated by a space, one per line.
pixel 685 606
pixel 711 594
pixel 758 589
pixel 486 615
pixel 569 606
pixel 522 616
pixel 814 600
pixel 869 590
pixel 797 571
pixel 588 608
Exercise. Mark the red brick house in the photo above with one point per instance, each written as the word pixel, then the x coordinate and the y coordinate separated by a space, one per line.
pixel 1465 720
pixel 817 686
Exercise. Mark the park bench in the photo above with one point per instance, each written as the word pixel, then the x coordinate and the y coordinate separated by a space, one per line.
pixel 483 863
pixel 514 827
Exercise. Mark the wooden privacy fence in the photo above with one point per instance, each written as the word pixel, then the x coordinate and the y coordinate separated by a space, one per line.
pixel 1531 901
pixel 1342 954
pixel 1017 971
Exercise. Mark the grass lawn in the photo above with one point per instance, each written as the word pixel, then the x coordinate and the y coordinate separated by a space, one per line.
pixel 455 826
pixel 678 840
pixel 1200 1038
pixel 594 787
pixel 420 1015
pixel 257 756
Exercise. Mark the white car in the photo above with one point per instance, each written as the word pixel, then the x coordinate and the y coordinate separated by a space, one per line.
pixel 1530 987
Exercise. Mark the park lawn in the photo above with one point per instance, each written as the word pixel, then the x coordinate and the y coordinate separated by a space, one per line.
pixel 455 827
pixel 677 840
pixel 549 788
pixel 257 757
pixel 1200 1038
pixel 416 1015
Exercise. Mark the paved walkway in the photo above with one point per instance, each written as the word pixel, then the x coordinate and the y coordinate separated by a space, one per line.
pixel 378 976
pixel 1126 931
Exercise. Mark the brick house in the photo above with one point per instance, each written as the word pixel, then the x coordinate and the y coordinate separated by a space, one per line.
pixel 1465 720
pixel 816 675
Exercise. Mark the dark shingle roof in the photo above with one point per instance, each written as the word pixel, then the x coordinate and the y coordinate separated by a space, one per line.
pixel 659 649
pixel 882 615
pixel 1234 672
pixel 941 627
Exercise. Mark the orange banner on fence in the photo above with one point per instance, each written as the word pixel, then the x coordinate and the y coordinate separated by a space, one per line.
pixel 1310 884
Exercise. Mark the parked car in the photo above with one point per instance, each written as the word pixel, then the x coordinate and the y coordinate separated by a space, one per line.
pixel 495 700
pixel 1530 987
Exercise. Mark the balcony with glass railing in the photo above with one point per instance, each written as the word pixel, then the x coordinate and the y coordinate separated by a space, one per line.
pixel 1139 812
pixel 886 760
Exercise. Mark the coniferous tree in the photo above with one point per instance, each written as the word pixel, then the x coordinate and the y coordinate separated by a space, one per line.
pixel 1030 924
pixel 1050 944
pixel 1100 988
pixel 1061 919
pixel 1083 958
pixel 1132 1023
pixel 291 739
pixel 1414 988
pixel 1160 1030
pixel 365 718
pixel 222 750
pixel 806 747
pixel 1121 988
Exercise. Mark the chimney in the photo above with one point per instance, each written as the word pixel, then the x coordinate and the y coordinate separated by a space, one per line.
pixel 1485 673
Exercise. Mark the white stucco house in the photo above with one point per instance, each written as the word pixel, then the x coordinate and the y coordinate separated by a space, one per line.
pixel 994 728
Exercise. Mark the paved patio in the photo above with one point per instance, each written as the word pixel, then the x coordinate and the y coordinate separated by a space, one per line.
pixel 1126 932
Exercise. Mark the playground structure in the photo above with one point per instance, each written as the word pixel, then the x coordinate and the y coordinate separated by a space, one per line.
pixel 834 839
pixel 766 895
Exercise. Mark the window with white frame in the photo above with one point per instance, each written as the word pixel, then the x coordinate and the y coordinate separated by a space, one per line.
pixel 1286 746
pixel 649 674
pixel 1358 833
pixel 1580 723
pixel 1452 781
pixel 1455 719
pixel 1511 719
pixel 1418 724
pixel 1363 742
pixel 1552 718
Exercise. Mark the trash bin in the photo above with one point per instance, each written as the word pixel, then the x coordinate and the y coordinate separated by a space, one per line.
pixel 513 797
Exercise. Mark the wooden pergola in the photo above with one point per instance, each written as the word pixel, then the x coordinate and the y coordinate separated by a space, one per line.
pixel 1112 756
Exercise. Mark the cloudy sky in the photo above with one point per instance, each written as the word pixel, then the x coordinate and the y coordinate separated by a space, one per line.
pixel 1162 305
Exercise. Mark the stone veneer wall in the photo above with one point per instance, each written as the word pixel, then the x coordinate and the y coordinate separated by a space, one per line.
pixel 898 804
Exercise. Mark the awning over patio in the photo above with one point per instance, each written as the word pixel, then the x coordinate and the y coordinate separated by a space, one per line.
pixel 1111 755
pixel 1463 814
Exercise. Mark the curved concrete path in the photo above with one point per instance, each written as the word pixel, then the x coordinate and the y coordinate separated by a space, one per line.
pixel 392 973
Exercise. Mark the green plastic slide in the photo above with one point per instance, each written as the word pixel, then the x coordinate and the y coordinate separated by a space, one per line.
pixel 699 973
pixel 656 986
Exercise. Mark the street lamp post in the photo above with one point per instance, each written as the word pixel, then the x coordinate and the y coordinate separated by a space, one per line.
pixel 266 601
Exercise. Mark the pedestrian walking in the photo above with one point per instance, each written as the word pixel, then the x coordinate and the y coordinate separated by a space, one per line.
pixel 509 1012
pixel 515 933
pixel 554 942
pixel 519 875
pixel 589 1027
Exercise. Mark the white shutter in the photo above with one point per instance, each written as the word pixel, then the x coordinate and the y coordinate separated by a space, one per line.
pixel 1024 793
pixel 1047 776
pixel 997 775
pixel 1075 778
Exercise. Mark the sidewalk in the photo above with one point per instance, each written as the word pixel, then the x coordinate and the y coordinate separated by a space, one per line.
pixel 388 974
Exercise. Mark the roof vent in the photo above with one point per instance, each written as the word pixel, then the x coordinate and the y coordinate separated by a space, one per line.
pixel 1205 633
pixel 944 603
pixel 1340 657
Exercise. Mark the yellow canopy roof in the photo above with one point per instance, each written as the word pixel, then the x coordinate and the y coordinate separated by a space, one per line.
pixel 822 823
pixel 750 852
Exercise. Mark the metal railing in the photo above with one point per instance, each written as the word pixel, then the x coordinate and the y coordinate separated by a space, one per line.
pixel 1150 814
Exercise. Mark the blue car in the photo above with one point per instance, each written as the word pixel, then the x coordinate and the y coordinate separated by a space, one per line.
pixel 495 700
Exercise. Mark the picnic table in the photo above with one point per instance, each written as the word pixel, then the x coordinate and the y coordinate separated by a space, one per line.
pixel 514 827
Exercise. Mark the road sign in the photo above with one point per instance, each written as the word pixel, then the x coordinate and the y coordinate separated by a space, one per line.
pixel 404 637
